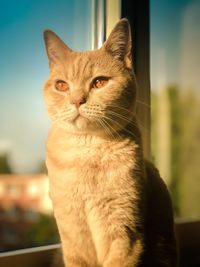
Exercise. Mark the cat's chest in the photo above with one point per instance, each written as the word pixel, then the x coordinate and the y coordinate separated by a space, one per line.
pixel 82 168
pixel 80 173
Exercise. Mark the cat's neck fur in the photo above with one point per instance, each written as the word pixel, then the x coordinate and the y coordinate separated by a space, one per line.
pixel 130 133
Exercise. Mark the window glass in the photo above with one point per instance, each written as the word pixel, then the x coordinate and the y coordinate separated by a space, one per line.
pixel 25 208
pixel 175 84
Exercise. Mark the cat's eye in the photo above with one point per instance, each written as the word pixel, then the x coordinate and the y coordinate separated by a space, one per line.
pixel 61 86
pixel 100 82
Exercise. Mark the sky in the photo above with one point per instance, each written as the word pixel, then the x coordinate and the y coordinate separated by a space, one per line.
pixel 24 121
pixel 24 68
pixel 175 42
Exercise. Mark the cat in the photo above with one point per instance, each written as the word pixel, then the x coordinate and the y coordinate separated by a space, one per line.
pixel 111 207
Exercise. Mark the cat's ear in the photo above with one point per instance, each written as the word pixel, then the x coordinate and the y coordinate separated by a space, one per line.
pixel 55 47
pixel 119 42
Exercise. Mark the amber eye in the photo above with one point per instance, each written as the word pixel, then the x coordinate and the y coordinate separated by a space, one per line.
pixel 100 82
pixel 61 86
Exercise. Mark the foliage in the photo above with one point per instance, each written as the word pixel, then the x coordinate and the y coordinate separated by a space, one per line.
pixel 43 232
pixel 184 148
pixel 4 164
pixel 42 168
pixel 175 128
pixel 190 155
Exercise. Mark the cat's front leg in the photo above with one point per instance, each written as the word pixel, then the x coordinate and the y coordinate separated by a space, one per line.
pixel 124 253
pixel 74 261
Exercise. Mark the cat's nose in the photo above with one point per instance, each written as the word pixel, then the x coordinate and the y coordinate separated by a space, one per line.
pixel 79 101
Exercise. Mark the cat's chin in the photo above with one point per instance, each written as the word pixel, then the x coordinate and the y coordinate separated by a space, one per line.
pixel 80 123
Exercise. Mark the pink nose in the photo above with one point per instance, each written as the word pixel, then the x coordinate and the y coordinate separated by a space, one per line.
pixel 78 102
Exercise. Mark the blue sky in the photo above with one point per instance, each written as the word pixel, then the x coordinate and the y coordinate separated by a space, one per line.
pixel 165 31
pixel 24 66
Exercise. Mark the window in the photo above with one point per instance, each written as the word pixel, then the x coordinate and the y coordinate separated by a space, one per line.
pixel 22 108
pixel 25 208
pixel 175 66
pixel 138 14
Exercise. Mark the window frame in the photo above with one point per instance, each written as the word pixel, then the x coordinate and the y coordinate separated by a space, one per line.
pixel 137 12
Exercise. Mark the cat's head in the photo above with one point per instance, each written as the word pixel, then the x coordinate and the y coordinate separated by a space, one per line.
pixel 93 91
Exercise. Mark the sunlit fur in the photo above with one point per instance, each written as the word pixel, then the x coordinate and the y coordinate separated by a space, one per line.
pixel 104 106
pixel 112 208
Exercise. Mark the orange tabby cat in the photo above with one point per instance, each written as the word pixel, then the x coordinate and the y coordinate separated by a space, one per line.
pixel 112 208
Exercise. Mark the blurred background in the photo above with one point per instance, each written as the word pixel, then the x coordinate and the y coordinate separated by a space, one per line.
pixel 25 209
pixel 175 100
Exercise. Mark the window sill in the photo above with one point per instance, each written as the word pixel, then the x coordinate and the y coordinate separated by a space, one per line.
pixel 30 257
pixel 188 237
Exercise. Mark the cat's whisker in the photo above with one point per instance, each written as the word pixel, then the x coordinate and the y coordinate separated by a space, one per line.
pixel 141 127
pixel 105 119
pixel 124 129
pixel 63 115
pixel 66 113
pixel 143 103
pixel 130 121
pixel 118 115
pixel 106 128
pixel 118 107
pixel 122 117
pixel 101 119
pixel 112 130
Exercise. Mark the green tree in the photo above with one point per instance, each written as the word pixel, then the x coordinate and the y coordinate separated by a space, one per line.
pixel 171 95
pixel 190 154
pixel 175 127
pixel 43 232
pixel 184 148
pixel 4 164
pixel 42 168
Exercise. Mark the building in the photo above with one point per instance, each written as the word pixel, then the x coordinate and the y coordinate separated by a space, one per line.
pixel 22 199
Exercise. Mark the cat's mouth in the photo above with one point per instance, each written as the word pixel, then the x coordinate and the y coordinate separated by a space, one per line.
pixel 76 118
pixel 75 115
pixel 79 121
